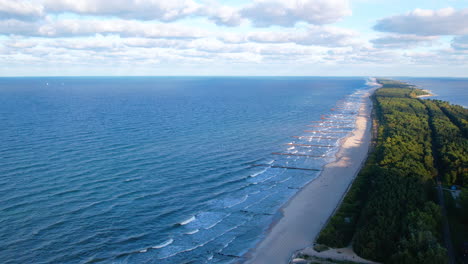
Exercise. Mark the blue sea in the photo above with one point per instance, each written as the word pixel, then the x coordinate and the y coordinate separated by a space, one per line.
pixel 159 169
pixel 453 90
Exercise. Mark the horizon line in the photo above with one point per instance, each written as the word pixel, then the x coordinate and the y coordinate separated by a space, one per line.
pixel 233 76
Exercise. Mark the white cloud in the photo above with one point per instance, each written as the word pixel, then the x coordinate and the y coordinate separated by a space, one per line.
pixel 460 43
pixel 17 27
pixel 403 41
pixel 19 44
pixel 144 32
pixel 447 57
pixel 82 27
pixel 446 21
pixel 312 36
pixel 21 10
pixel 368 56
pixel 233 38
pixel 220 14
pixel 125 28
pixel 131 9
pixel 264 13
pixel 93 44
pixel 156 43
pixel 261 13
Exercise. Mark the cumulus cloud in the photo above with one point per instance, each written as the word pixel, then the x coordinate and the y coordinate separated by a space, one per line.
pixel 94 44
pixel 161 10
pixel 233 38
pixel 460 43
pixel 19 44
pixel 20 10
pixel 79 27
pixel 133 9
pixel 156 43
pixel 446 21
pixel 261 13
pixel 144 32
pixel 312 36
pixel 403 41
pixel 125 28
pixel 17 27
pixel 449 57
pixel 220 14
pixel 264 13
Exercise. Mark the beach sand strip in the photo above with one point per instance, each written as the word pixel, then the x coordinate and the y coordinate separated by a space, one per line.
pixel 305 214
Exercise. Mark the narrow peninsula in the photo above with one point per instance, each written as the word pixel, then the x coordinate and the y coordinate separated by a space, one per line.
pixel 409 202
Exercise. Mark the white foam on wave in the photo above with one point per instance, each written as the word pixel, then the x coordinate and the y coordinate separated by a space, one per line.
pixel 266 179
pixel 227 244
pixel 132 179
pixel 187 221
pixel 164 244
pixel 262 199
pixel 214 224
pixel 239 202
pixel 271 162
pixel 258 173
pixel 284 180
pixel 204 243
pixel 193 232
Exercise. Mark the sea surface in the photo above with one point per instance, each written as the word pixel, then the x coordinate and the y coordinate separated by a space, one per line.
pixel 453 90
pixel 158 169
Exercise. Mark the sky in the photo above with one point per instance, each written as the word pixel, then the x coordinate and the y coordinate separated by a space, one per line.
pixel 234 38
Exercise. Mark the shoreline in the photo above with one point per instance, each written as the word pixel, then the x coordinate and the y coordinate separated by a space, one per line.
pixel 429 94
pixel 302 218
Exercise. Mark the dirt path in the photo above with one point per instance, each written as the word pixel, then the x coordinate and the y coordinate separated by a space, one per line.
pixel 445 224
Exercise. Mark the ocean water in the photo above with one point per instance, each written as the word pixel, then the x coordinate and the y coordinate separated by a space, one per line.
pixel 453 90
pixel 158 170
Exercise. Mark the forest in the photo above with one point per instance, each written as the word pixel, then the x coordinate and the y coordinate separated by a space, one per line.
pixel 391 212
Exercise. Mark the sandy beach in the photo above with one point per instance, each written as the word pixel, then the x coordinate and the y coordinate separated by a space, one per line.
pixel 305 214
pixel 429 94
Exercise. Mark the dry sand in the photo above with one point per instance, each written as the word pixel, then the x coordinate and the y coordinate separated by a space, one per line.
pixel 342 254
pixel 429 94
pixel 306 213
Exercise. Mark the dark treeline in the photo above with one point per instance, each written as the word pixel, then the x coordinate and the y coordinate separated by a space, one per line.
pixel 389 213
pixel 457 115
pixel 449 127
pixel 450 142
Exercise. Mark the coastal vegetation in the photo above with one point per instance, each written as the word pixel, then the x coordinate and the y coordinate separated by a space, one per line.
pixel 390 214
pixel 450 140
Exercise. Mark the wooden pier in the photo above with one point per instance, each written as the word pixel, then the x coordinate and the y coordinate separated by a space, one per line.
pixel 338 115
pixel 345 119
pixel 327 132
pixel 330 122
pixel 328 126
pixel 315 137
pixel 340 109
pixel 283 167
pixel 299 155
pixel 307 145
